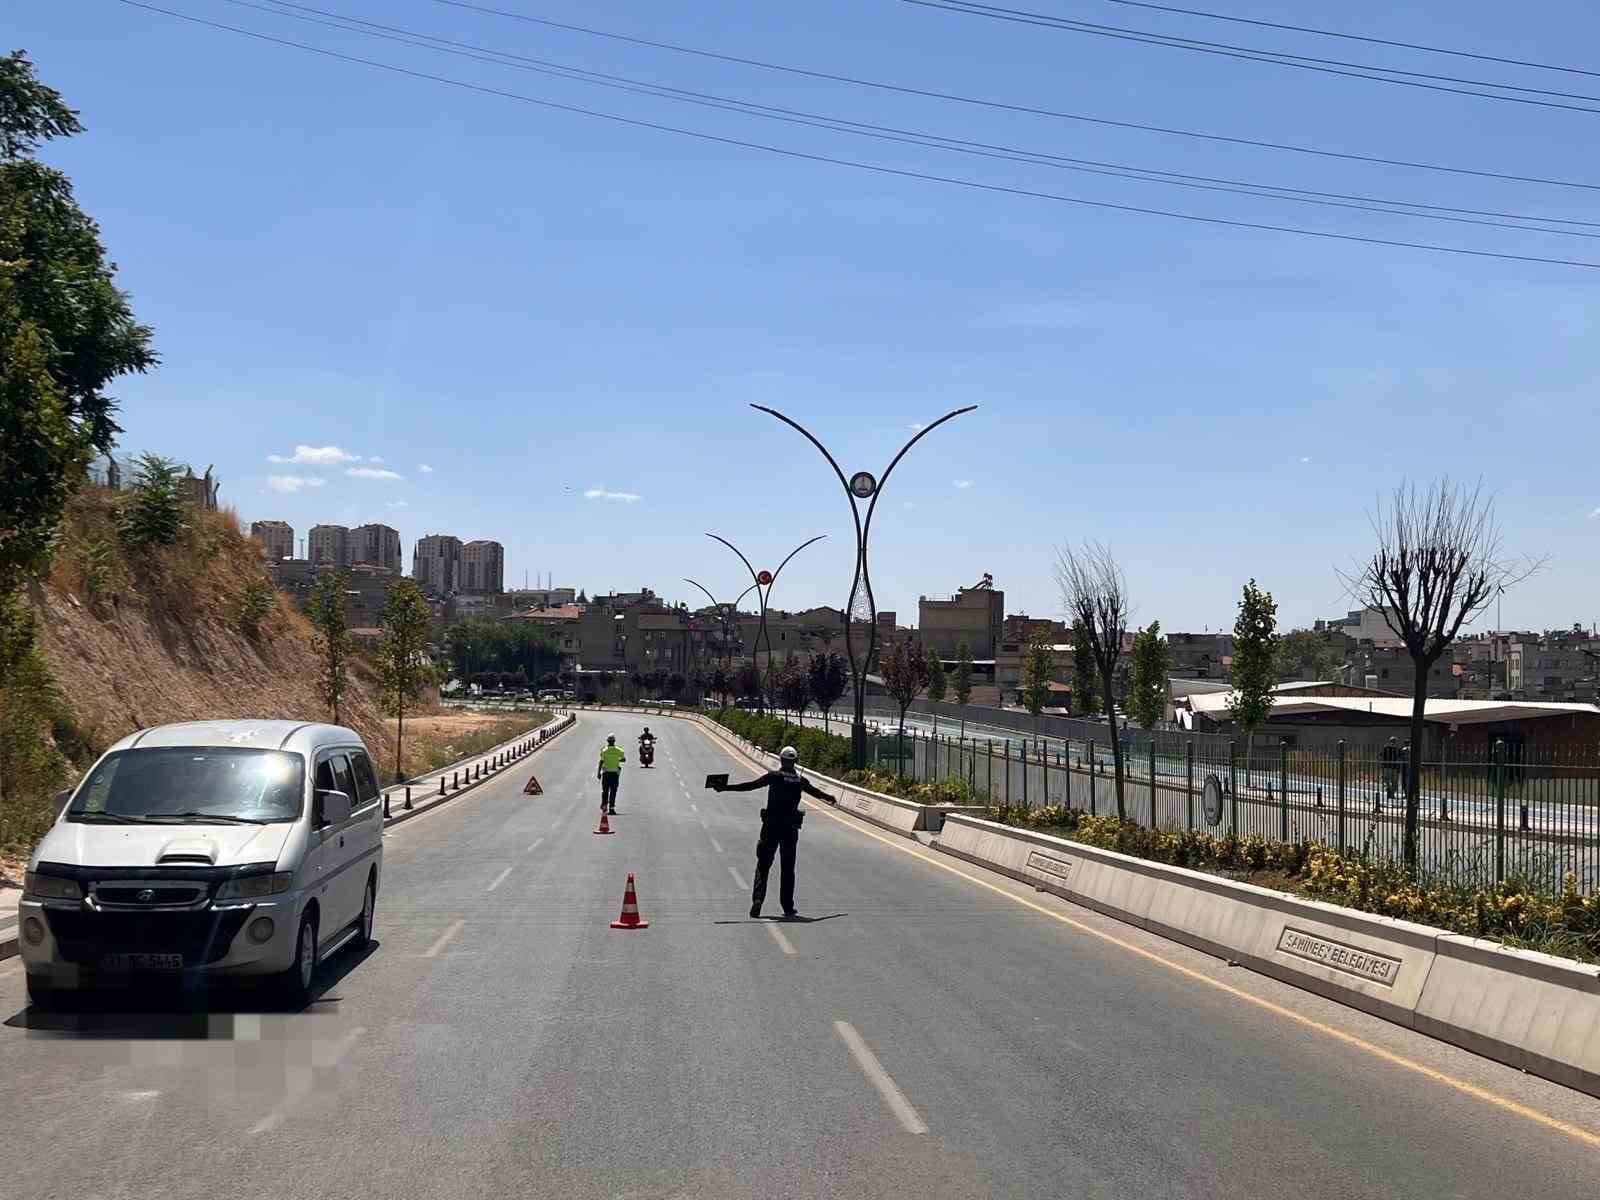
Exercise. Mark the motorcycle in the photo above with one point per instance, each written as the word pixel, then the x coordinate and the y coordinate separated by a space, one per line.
pixel 647 753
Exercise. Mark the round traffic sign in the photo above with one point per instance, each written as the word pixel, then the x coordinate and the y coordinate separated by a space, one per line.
pixel 764 578
pixel 1211 800
pixel 863 484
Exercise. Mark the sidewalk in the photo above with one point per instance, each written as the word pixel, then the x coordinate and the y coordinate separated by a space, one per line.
pixel 426 793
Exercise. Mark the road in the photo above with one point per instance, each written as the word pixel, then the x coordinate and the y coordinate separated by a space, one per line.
pixel 933 1030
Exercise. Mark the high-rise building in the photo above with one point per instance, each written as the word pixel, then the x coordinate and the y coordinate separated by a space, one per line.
pixel 975 615
pixel 276 538
pixel 435 561
pixel 483 567
pixel 376 545
pixel 330 546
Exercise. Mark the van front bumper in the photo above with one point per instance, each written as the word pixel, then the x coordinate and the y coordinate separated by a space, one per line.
pixel 73 945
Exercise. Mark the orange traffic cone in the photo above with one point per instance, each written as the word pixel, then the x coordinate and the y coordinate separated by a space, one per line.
pixel 630 918
pixel 605 825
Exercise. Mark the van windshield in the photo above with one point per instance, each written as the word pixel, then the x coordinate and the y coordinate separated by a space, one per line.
pixel 192 784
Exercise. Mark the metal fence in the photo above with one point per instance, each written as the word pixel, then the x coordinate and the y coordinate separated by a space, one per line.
pixel 1483 816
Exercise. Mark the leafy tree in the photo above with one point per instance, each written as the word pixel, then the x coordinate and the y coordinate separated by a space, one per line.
pixel 1306 652
pixel 675 684
pixel 963 682
pixel 828 674
pixel 477 644
pixel 153 513
pixel 905 675
pixel 1440 561
pixel 938 681
pixel 1085 696
pixel 793 687
pixel 1255 663
pixel 1152 669
pixel 748 682
pixel 1037 667
pixel 402 661
pixel 1095 593
pixel 66 331
pixel 721 684
pixel 256 601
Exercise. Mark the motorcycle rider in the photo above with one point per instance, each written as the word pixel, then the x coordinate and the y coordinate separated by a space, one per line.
pixel 780 826
pixel 609 773
pixel 647 745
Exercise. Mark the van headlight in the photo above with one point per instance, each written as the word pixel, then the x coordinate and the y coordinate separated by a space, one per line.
pixel 50 887
pixel 254 886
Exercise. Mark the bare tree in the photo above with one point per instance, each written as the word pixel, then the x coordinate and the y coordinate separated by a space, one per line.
pixel 1094 596
pixel 1438 564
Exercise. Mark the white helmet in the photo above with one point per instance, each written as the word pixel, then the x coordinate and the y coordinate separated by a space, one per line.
pixel 788 754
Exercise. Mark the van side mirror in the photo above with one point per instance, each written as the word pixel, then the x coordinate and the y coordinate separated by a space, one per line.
pixel 333 808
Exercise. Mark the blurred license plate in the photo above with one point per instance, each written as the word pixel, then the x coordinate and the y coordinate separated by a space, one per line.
pixel 142 962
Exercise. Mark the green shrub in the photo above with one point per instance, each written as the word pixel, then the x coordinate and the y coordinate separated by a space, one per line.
pixel 256 601
pixel 153 510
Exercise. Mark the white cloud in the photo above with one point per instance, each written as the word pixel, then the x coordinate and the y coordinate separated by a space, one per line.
pixel 1306 458
pixel 425 468
pixel 963 484
pixel 372 473
pixel 293 483
pixel 316 456
pixel 916 427
pixel 376 458
pixel 604 494
pixel 1595 513
pixel 397 504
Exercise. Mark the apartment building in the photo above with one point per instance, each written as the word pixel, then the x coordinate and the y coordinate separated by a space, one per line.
pixel 329 546
pixel 975 615
pixel 436 563
pixel 483 568
pixel 377 546
pixel 276 538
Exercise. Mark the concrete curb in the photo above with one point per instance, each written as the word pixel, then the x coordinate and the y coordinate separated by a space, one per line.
pixel 1531 1011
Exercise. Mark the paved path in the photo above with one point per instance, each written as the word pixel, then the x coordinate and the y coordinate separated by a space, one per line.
pixel 935 1031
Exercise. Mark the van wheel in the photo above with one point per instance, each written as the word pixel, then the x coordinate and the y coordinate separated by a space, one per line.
pixel 369 904
pixel 294 985
pixel 46 998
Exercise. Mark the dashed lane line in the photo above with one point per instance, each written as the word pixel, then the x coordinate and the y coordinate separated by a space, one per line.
pixel 499 879
pixel 784 943
pixel 879 1078
pixel 443 940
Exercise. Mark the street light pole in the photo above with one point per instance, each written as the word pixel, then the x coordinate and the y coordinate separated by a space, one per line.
pixel 858 487
pixel 723 614
pixel 762 583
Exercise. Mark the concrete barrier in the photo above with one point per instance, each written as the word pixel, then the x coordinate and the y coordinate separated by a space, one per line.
pixel 1531 1011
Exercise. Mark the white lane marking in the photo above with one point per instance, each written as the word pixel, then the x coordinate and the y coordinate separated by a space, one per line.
pixel 715 845
pixel 743 886
pixel 499 879
pixel 692 804
pixel 777 935
pixel 537 843
pixel 134 1097
pixel 873 1070
pixel 306 1082
pixel 444 940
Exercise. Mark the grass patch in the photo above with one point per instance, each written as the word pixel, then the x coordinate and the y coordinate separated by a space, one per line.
pixel 428 750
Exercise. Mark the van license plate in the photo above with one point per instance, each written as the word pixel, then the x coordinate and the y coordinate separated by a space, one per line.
pixel 142 962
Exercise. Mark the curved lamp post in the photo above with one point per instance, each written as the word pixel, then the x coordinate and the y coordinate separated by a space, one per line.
pixel 762 582
pixel 724 612
pixel 858 487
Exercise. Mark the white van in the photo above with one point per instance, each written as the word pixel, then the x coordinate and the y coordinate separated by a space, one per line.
pixel 229 848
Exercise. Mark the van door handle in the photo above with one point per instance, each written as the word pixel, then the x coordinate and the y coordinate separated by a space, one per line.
pixel 341 839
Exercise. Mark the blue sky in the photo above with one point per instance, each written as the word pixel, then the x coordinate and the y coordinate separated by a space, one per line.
pixel 540 305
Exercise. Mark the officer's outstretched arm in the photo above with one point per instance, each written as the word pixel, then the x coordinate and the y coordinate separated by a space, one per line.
pixel 748 786
pixel 812 789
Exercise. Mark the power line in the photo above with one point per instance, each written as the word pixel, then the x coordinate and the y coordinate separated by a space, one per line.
pixel 916 137
pixel 1353 37
pixel 877 168
pixel 1282 58
pixel 1056 114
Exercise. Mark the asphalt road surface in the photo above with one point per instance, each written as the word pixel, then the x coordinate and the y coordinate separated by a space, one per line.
pixel 932 1031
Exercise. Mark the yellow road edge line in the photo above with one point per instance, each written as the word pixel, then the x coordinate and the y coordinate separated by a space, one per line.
pixel 1505 1103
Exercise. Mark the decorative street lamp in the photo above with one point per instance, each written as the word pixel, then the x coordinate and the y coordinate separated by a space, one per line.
pixel 858 487
pixel 725 614
pixel 762 583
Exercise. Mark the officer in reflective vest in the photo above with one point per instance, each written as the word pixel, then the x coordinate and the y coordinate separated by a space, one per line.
pixel 609 773
pixel 780 826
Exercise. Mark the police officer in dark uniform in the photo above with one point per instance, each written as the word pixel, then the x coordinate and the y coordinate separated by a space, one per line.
pixel 780 826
